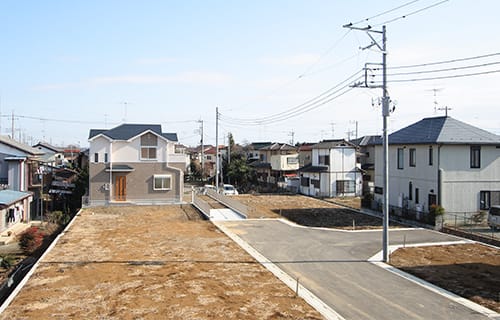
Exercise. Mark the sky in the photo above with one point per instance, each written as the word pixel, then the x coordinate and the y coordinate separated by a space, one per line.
pixel 71 66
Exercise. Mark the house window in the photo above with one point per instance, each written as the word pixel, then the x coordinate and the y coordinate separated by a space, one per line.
pixel 315 183
pixel 379 190
pixel 401 159
pixel 416 195
pixel 162 182
pixel 346 186
pixel 149 144
pixel 413 157
pixel 106 158
pixel 410 191
pixel 431 156
pixel 96 157
pixel 484 200
pixel 304 181
pixel 475 156
pixel 324 160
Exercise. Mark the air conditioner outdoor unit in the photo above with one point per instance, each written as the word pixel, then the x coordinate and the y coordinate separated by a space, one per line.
pixel 106 186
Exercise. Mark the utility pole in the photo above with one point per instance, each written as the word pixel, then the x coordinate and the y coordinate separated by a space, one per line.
pixel 13 130
pixel 385 115
pixel 333 129
pixel 217 148
pixel 202 151
pixel 228 155
pixel 292 134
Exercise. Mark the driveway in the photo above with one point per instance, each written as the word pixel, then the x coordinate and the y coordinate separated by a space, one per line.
pixel 334 266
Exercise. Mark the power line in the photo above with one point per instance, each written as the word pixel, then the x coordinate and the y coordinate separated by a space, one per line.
pixel 411 13
pixel 445 61
pixel 299 108
pixel 386 12
pixel 445 70
pixel 447 77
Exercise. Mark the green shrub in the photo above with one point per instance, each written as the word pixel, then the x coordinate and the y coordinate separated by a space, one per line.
pixel 6 261
pixel 31 239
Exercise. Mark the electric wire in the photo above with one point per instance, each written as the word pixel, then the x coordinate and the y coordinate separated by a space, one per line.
pixel 445 61
pixel 444 70
pixel 411 13
pixel 298 109
pixel 442 77
pixel 386 12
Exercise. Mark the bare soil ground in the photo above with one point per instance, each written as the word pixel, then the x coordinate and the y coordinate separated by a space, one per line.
pixel 152 263
pixel 470 270
pixel 308 211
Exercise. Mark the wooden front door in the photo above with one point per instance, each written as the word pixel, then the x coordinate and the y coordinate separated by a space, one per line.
pixel 120 188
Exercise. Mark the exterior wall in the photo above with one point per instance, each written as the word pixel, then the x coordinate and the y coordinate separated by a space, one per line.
pixel 139 184
pixel 285 162
pixel 305 158
pixel 460 184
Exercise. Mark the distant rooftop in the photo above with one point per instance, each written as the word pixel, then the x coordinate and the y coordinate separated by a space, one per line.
pixel 442 130
pixel 127 131
pixel 20 146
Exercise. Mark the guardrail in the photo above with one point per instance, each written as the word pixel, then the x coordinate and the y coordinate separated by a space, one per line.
pixel 229 202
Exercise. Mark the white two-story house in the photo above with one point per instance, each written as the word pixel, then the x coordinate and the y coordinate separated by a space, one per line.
pixel 333 171
pixel 441 161
pixel 134 163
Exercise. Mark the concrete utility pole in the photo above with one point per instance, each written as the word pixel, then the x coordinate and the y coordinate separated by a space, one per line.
pixel 385 115
pixel 217 148
pixel 202 151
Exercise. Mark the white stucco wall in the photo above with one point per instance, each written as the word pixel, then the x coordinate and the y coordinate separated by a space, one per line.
pixel 460 183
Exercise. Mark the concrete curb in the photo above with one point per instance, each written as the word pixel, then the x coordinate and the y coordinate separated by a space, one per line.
pixel 303 292
pixel 23 282
pixel 377 260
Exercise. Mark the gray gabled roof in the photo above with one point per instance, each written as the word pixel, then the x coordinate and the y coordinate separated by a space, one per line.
pixel 367 141
pixel 328 144
pixel 442 130
pixel 20 146
pixel 127 131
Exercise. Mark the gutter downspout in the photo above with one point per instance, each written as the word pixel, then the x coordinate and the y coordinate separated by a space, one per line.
pixel 439 177
pixel 110 171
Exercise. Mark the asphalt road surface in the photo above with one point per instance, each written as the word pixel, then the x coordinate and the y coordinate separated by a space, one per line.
pixel 334 266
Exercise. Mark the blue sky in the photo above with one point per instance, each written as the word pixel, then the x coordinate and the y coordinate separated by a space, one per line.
pixel 68 66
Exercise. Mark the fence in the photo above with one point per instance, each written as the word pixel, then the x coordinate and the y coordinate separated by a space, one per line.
pixel 469 224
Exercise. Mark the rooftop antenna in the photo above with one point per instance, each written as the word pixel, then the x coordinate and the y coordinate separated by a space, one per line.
pixel 445 110
pixel 436 90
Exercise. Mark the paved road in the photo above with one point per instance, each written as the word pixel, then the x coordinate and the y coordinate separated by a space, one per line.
pixel 333 265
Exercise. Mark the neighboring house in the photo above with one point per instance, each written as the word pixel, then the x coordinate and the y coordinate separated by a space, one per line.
pixel 134 163
pixel 14 207
pixel 366 159
pixel 305 154
pixel 53 156
pixel 276 161
pixel 441 161
pixel 20 168
pixel 253 151
pixel 333 171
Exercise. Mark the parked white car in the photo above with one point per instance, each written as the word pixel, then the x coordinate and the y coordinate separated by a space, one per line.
pixel 494 217
pixel 228 190
pixel 208 187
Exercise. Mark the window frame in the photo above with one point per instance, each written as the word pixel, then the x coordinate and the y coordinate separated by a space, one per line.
pixel 412 159
pixel 475 157
pixel 96 157
pixel 410 190
pixel 163 187
pixel 401 158
pixel 431 156
pixel 150 150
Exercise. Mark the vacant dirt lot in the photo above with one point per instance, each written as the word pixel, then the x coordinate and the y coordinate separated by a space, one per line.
pixel 308 211
pixel 152 263
pixel 471 271
pixel 468 270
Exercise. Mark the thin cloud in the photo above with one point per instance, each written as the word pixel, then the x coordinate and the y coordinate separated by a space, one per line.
pixel 189 78
pixel 156 61
pixel 293 60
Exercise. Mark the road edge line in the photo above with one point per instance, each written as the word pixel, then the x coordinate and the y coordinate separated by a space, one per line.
pixel 23 282
pixel 304 293
pixel 377 260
